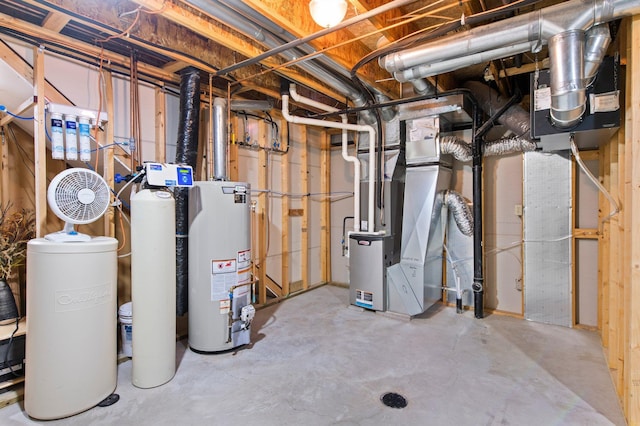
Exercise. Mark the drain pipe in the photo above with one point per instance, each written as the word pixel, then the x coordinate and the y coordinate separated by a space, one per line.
pixel 343 126
pixel 478 274
pixel 186 153
pixel 285 89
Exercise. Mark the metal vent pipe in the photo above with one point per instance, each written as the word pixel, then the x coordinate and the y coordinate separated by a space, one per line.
pixel 597 41
pixel 566 71
pixel 561 25
pixel 529 31
pixel 220 139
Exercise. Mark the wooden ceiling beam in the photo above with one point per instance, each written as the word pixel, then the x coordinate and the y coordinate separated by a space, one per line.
pixel 232 43
pixel 384 19
pixel 180 43
pixel 94 51
pixel 295 18
pixel 55 21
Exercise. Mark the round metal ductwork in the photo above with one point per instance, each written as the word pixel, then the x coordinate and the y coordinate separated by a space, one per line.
pixel 568 93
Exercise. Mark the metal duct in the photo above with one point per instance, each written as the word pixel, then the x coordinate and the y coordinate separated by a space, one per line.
pixel 461 211
pixel 460 150
pixel 508 37
pixel 515 118
pixel 186 153
pixel 566 71
pixel 387 113
pixel 220 139
pixel 597 41
pixel 423 87
pixel 240 23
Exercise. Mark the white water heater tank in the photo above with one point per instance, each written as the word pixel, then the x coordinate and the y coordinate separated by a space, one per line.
pixel 71 326
pixel 219 265
pixel 153 287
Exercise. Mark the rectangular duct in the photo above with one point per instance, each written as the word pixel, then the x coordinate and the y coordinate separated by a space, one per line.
pixel 547 217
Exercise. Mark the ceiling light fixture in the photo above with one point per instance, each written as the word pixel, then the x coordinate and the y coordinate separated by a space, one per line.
pixel 328 13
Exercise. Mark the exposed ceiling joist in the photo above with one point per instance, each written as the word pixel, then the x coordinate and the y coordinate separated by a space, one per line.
pixel 221 35
pixel 55 21
pixel 68 42
pixel 295 18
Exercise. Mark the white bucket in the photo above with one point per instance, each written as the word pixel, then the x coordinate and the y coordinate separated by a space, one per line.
pixel 124 315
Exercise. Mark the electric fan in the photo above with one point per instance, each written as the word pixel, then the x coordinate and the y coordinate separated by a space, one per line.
pixel 77 196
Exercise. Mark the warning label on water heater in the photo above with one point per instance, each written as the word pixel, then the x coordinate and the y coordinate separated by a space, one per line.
pixel 224 276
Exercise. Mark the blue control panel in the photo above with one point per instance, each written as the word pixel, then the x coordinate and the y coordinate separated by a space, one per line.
pixel 160 174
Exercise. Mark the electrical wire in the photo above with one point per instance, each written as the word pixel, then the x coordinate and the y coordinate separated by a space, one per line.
pixel 596 182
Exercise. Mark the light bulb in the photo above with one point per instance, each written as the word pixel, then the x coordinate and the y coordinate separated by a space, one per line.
pixel 328 13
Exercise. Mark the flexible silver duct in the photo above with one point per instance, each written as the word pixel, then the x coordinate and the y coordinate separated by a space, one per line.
pixel 460 150
pixel 509 145
pixel 514 118
pixel 461 211
pixel 220 139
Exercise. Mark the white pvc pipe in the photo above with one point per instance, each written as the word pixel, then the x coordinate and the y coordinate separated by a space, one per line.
pixel 343 126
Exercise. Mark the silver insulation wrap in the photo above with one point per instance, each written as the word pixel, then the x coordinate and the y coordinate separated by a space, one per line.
pixel 508 145
pixel 457 147
pixel 461 212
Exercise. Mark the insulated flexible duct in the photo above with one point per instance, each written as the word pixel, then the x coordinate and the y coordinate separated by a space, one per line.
pixel 457 147
pixel 508 145
pixel 514 118
pixel 461 211
pixel 186 153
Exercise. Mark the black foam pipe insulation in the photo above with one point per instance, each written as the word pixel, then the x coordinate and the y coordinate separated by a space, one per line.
pixel 186 153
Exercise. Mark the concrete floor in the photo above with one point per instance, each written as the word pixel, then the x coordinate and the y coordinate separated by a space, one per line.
pixel 314 361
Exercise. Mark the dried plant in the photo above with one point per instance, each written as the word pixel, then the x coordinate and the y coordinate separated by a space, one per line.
pixel 16 229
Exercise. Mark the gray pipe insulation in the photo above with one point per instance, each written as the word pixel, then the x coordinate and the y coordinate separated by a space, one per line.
pixel 515 118
pixel 186 153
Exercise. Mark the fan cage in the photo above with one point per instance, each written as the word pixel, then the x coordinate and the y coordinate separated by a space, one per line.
pixel 65 196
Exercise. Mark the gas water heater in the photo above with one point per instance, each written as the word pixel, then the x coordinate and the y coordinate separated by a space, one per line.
pixel 220 280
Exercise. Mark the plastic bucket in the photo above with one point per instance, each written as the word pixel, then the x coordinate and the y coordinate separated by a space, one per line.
pixel 124 316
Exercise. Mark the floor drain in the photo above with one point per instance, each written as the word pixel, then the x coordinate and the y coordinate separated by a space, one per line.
pixel 393 400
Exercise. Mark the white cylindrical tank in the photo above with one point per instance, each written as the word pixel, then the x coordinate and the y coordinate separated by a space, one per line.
pixel 153 287
pixel 219 265
pixel 71 340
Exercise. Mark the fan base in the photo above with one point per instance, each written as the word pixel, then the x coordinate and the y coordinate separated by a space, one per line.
pixel 67 237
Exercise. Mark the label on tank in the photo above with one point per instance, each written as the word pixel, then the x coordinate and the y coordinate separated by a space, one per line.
pixel 224 277
pixel 225 306
pixel 244 259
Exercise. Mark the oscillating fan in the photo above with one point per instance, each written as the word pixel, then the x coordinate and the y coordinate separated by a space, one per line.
pixel 77 196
